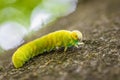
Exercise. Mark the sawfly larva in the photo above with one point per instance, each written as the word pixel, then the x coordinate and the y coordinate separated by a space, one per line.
pixel 52 41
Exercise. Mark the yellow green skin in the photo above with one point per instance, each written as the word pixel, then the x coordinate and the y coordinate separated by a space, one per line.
pixel 57 39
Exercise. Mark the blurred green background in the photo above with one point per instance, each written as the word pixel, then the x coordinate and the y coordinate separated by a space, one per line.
pixel 18 18
pixel 17 10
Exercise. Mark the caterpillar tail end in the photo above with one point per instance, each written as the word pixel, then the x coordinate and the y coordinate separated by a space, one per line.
pixel 16 62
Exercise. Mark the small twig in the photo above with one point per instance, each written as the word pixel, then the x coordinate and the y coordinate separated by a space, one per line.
pixel 46 63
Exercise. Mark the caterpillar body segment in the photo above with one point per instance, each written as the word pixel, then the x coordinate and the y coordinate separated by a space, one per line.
pixel 52 41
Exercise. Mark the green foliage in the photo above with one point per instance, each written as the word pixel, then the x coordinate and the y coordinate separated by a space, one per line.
pixel 17 10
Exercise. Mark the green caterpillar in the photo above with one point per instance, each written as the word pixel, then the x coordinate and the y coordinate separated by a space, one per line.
pixel 54 40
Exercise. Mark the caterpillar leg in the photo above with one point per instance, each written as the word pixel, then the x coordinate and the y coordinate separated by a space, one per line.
pixel 80 43
pixel 57 47
pixel 76 46
pixel 65 49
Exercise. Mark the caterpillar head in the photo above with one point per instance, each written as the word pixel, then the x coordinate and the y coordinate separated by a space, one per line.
pixel 77 35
